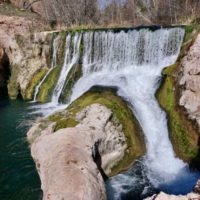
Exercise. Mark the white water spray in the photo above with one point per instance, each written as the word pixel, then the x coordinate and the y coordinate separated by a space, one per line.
pixel 133 62
pixel 53 65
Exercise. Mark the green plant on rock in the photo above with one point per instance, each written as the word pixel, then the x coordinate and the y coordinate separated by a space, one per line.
pixel 47 87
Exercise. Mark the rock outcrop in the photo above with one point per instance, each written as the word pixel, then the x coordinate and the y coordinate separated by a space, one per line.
pixel 163 196
pixel 28 53
pixel 190 98
pixel 195 195
pixel 71 161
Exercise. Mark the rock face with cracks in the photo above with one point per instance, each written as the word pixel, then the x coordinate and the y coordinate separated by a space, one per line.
pixel 28 53
pixel 190 80
pixel 71 162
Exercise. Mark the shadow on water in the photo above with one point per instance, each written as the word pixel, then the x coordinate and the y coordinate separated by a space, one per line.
pixel 18 176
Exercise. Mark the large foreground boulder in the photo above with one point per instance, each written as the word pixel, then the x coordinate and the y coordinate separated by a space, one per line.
pixel 76 149
pixel 69 161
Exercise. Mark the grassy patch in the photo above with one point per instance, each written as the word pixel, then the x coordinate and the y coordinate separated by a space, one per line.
pixel 34 82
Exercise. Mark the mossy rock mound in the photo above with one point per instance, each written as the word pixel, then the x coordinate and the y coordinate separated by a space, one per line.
pixel 108 98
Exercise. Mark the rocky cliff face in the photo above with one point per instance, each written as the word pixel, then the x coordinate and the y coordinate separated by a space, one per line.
pixel 190 82
pixel 27 53
pixel 71 162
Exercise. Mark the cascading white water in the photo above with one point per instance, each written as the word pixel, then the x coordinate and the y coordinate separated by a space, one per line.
pixel 53 65
pixel 133 62
pixel 72 54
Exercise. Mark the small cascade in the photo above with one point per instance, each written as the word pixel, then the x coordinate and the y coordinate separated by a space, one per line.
pixel 72 54
pixel 53 65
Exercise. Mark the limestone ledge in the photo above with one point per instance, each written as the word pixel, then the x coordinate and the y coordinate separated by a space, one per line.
pixel 28 52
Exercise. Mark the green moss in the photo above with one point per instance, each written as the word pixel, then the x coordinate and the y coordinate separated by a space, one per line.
pixel 34 82
pixel 74 74
pixel 47 87
pixel 61 48
pixel 65 123
pixel 13 88
pixel 183 134
pixel 122 112
pixel 188 32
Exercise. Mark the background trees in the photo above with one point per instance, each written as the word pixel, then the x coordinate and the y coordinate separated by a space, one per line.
pixel 116 12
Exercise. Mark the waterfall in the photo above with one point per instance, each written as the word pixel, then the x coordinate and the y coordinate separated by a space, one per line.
pixel 53 65
pixel 72 54
pixel 133 61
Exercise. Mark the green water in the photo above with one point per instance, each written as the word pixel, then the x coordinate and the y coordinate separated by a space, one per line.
pixel 18 177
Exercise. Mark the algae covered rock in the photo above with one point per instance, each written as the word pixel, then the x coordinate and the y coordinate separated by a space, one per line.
pixel 120 120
